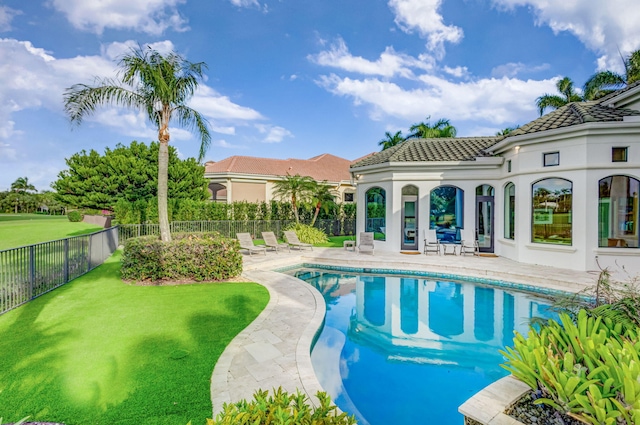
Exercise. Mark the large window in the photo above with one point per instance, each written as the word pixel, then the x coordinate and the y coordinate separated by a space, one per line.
pixel 447 212
pixel 509 211
pixel 618 212
pixel 552 209
pixel 376 212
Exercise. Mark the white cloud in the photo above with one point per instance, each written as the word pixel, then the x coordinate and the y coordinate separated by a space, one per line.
pixel 245 3
pixel 458 71
pixel 6 151
pixel 148 16
pixel 389 63
pixel 487 100
pixel 512 69
pixel 605 27
pixel 217 107
pixel 424 16
pixel 274 134
pixel 114 51
pixel 6 16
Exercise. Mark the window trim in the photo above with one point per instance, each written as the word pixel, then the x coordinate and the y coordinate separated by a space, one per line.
pixel 624 149
pixel 547 156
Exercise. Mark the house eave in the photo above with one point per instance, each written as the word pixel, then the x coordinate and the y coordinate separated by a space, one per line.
pixel 615 100
pixel 478 163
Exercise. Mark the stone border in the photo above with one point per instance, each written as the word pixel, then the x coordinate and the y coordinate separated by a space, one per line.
pixel 487 406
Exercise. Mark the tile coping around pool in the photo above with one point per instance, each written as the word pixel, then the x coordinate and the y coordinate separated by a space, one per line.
pixel 275 349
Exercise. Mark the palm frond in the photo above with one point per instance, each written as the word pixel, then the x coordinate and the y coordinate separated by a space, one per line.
pixel 193 120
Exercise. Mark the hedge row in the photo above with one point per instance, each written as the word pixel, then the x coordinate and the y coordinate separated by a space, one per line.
pixel 189 256
pixel 188 210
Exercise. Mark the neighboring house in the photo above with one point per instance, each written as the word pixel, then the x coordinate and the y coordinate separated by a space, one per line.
pixel 252 179
pixel 559 191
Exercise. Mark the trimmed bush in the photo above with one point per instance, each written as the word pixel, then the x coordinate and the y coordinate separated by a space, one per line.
pixel 281 408
pixel 189 256
pixel 309 234
pixel 75 216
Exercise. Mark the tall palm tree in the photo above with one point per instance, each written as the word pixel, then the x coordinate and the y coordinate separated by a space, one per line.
pixel 605 82
pixel 295 188
pixel 321 196
pixel 22 185
pixel 567 95
pixel 506 131
pixel 158 85
pixel 442 128
pixel 391 140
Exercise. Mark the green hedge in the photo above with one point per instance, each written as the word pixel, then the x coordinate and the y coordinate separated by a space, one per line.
pixel 75 216
pixel 192 256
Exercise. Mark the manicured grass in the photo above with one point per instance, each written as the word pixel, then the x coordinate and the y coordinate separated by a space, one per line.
pixel 334 241
pixel 26 229
pixel 98 351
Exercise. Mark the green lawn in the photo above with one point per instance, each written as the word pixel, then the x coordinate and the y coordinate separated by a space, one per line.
pixel 26 229
pixel 334 241
pixel 97 351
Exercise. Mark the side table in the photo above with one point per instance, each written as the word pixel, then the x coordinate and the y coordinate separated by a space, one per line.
pixel 349 245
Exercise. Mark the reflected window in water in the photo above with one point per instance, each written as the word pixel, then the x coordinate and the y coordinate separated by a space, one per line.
pixel 446 309
pixel 409 306
pixel 374 302
pixel 483 314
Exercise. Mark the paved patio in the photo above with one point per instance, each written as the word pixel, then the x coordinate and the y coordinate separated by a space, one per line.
pixel 275 349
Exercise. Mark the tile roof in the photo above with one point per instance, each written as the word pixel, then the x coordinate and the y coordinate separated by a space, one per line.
pixel 424 150
pixel 322 167
pixel 619 92
pixel 573 114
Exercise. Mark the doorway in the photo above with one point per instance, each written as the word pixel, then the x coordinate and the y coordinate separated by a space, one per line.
pixel 484 217
pixel 409 218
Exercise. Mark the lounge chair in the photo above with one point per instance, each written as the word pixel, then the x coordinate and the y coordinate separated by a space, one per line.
pixel 271 241
pixel 431 243
pixel 247 243
pixel 292 239
pixel 469 243
pixel 365 242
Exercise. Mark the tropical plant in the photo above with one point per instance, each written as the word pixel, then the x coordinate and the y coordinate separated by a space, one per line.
pixel 424 130
pixel 506 131
pixel 157 85
pixel 322 197
pixel 296 188
pixel 605 82
pixel 309 234
pixel 22 185
pixel 281 408
pixel 391 140
pixel 567 95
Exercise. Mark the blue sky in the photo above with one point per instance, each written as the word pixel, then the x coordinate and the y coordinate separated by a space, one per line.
pixel 297 78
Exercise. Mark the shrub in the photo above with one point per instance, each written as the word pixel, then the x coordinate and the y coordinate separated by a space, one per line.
pixel 281 408
pixel 75 216
pixel 309 234
pixel 192 256
pixel 588 369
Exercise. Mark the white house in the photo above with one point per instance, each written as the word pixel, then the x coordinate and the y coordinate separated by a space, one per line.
pixel 559 191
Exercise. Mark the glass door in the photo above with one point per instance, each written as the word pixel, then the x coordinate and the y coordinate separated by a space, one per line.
pixel 484 222
pixel 409 223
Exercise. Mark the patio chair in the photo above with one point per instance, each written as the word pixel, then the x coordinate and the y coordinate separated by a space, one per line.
pixel 271 241
pixel 469 243
pixel 365 242
pixel 247 243
pixel 431 242
pixel 292 240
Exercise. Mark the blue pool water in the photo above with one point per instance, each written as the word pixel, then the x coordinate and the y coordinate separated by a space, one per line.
pixel 410 350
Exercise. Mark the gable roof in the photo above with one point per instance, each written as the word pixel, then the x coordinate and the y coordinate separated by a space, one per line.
pixel 610 96
pixel 322 167
pixel 573 114
pixel 426 150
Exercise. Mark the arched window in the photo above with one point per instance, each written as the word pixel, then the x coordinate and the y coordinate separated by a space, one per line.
pixel 376 212
pixel 509 211
pixel 552 211
pixel 447 207
pixel 618 212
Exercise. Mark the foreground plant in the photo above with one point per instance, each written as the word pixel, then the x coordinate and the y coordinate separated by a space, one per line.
pixel 589 369
pixel 281 408
pixel 309 234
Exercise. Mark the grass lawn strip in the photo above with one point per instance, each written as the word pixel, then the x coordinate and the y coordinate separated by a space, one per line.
pixel 97 351
pixel 33 228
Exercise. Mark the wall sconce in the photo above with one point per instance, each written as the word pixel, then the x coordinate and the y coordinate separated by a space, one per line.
pixel 517 148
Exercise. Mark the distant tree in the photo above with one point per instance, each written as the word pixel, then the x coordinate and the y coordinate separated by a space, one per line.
pixel 605 82
pixel 22 185
pixel 322 197
pixel 391 140
pixel 506 131
pixel 21 196
pixel 441 128
pixel 47 199
pixel 158 85
pixel 295 188
pixel 129 172
pixel 567 95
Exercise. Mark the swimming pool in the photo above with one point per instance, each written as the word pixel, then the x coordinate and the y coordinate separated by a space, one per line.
pixel 408 349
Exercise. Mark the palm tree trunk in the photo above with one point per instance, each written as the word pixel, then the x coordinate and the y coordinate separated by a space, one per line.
pixel 295 209
pixel 315 215
pixel 163 171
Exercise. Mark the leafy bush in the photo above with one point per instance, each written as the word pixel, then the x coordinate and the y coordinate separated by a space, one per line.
pixel 589 369
pixel 281 408
pixel 75 216
pixel 309 234
pixel 193 256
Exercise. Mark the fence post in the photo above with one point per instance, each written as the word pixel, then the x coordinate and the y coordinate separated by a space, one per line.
pixel 66 260
pixel 89 252
pixel 32 269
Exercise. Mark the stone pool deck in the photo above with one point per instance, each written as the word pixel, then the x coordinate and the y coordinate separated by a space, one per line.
pixel 274 351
